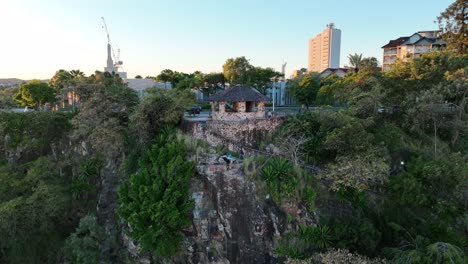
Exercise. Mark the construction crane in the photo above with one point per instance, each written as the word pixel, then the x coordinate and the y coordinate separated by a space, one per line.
pixel 117 62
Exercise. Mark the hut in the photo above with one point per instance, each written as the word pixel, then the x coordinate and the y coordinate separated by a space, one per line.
pixel 238 103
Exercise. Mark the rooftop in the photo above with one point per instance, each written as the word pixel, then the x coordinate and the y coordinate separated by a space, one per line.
pixel 396 42
pixel 239 94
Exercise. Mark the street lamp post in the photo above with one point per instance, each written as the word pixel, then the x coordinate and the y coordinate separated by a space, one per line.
pixel 274 94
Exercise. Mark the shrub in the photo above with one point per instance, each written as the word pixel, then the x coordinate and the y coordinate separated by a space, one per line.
pixel 83 245
pixel 280 178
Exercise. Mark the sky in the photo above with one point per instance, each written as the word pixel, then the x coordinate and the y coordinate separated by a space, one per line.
pixel 39 37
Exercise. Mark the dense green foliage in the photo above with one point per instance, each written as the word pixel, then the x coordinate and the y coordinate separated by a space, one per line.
pixel 34 205
pixel 6 97
pixel 35 200
pixel 35 93
pixel 155 200
pixel 47 183
pixel 454 27
pixel 395 159
pixel 83 245
pixel 305 88
pixel 106 106
pixel 32 132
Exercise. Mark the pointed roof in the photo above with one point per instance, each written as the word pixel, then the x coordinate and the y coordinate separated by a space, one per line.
pixel 396 42
pixel 239 94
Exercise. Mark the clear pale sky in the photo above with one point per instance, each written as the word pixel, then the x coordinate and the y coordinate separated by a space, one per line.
pixel 38 37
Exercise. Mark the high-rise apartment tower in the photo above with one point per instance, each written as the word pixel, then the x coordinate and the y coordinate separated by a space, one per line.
pixel 324 49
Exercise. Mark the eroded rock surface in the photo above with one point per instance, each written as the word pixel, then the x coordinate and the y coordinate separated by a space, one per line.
pixel 231 223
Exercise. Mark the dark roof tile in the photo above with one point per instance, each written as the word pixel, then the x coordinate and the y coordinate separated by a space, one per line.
pixel 239 94
pixel 395 42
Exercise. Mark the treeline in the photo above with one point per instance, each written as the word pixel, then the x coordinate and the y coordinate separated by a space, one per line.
pixel 235 71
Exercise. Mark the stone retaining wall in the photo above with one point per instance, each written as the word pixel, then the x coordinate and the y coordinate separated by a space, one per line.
pixel 233 134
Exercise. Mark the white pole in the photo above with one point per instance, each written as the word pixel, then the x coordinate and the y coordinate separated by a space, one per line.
pixel 274 94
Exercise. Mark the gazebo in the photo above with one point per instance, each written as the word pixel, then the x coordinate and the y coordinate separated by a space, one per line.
pixel 237 103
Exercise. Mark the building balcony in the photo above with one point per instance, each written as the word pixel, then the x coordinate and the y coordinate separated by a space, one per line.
pixel 389 60
pixel 390 52
pixel 422 50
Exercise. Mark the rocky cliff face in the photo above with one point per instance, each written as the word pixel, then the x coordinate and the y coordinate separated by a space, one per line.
pixel 231 223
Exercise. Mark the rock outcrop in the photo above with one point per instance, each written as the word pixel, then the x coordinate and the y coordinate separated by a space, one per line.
pixel 231 223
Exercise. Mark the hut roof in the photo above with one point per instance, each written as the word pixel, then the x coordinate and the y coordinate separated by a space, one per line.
pixel 239 94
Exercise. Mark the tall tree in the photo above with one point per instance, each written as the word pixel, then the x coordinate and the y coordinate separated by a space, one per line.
pixel 61 79
pixel 77 74
pixel 35 93
pixel 453 24
pixel 212 82
pixel 369 64
pixel 305 88
pixel 261 78
pixel 355 61
pixel 236 70
pixel 165 76
pixel 155 200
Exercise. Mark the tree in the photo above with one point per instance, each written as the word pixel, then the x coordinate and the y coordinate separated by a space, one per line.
pixel 77 74
pixel 236 70
pixel 305 88
pixel 455 89
pixel 453 24
pixel 155 201
pixel 83 245
pixel 174 77
pixel 35 93
pixel 211 82
pixel 357 172
pixel 138 77
pixel 184 81
pixel 165 76
pixel 6 97
pixel 106 104
pixel 61 79
pixel 370 64
pixel 160 108
pixel 262 78
pixel 355 61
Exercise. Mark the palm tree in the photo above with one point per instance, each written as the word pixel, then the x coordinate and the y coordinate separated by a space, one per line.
pixel 76 73
pixel 355 61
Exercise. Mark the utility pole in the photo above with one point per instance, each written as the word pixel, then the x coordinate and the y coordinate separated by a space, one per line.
pixel 274 94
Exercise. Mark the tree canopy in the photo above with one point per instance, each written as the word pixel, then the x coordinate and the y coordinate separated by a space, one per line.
pixel 453 23
pixel 236 70
pixel 305 88
pixel 155 201
pixel 35 93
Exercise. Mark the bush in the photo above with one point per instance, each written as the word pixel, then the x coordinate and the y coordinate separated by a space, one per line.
pixel 83 245
pixel 280 178
pixel 301 244
pixel 206 106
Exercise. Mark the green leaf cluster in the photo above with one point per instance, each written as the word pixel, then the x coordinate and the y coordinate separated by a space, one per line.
pixel 155 201
pixel 35 93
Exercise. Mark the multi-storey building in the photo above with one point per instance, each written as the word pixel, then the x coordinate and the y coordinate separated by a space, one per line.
pixel 324 49
pixel 297 73
pixel 410 47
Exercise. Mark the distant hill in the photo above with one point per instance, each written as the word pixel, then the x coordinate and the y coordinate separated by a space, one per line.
pixel 6 82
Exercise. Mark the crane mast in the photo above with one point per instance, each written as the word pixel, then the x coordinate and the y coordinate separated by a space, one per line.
pixel 117 62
